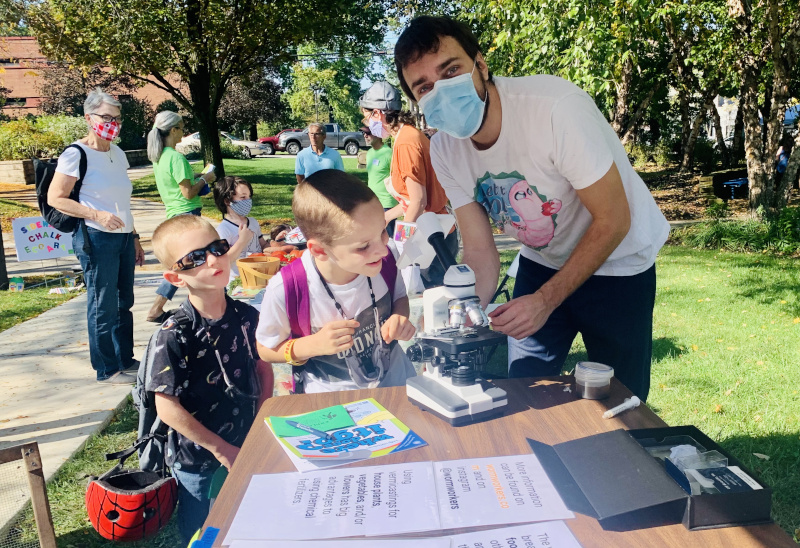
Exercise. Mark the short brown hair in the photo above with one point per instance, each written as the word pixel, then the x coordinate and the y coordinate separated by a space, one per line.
pixel 324 202
pixel 165 235
pixel 225 188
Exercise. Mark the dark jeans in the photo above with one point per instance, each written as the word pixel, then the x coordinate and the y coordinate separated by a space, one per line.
pixel 166 289
pixel 108 264
pixel 433 276
pixel 613 314
pixel 193 501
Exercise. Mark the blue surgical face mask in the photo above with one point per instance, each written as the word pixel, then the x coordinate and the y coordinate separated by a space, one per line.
pixel 453 106
pixel 377 129
pixel 242 207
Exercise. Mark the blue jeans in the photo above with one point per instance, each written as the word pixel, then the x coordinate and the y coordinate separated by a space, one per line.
pixel 193 502
pixel 108 264
pixel 613 314
pixel 166 289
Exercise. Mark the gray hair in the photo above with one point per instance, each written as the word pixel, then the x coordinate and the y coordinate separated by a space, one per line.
pixel 165 121
pixel 96 98
pixel 320 126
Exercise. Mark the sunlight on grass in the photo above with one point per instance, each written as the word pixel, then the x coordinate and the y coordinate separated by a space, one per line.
pixel 273 182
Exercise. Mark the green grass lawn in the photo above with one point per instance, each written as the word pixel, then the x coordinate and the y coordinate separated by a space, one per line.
pixel 17 307
pixel 725 356
pixel 10 210
pixel 273 182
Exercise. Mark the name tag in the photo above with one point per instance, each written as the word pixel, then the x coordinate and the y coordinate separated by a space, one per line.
pixel 376 162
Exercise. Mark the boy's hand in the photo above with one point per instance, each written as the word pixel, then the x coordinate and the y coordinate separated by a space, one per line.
pixel 335 337
pixel 245 233
pixel 397 327
pixel 226 455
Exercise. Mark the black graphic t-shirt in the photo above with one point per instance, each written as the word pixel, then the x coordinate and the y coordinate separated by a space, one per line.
pixel 189 356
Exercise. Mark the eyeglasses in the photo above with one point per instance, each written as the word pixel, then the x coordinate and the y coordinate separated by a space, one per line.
pixel 315 134
pixel 107 119
pixel 196 258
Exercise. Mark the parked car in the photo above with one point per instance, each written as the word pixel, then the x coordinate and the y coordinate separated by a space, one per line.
pixel 350 141
pixel 249 148
pixel 271 143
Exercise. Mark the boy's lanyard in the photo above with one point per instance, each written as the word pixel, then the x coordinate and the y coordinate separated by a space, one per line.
pixel 335 302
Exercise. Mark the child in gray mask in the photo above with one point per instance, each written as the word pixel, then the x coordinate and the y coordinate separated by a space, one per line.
pixel 234 198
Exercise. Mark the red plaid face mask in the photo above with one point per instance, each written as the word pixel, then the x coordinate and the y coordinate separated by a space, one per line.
pixel 106 130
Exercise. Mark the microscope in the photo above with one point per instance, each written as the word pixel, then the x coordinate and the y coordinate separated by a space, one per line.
pixel 453 352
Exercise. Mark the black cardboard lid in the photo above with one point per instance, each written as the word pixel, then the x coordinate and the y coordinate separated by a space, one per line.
pixel 607 475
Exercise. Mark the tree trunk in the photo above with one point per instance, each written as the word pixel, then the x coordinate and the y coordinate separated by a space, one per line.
pixel 784 191
pixel 632 127
pixel 3 269
pixel 253 133
pixel 688 150
pixel 686 120
pixel 621 111
pixel 753 142
pixel 737 147
pixel 723 149
pixel 206 117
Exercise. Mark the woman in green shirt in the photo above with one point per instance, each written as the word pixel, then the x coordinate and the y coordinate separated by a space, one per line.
pixel 177 184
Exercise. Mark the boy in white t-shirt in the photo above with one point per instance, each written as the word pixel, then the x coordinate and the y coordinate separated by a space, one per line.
pixel 536 156
pixel 234 198
pixel 355 318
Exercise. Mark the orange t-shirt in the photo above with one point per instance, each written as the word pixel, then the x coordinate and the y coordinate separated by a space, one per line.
pixel 411 158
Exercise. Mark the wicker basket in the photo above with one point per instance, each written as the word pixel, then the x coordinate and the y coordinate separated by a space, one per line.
pixel 256 271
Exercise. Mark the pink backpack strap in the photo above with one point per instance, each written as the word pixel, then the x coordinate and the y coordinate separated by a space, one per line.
pixel 389 272
pixel 298 304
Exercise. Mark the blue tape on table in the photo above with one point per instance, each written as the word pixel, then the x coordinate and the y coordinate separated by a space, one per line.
pixel 208 538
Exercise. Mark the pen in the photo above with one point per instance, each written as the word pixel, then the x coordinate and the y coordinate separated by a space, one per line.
pixel 308 429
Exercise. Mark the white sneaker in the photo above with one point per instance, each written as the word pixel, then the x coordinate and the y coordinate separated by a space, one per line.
pixel 118 378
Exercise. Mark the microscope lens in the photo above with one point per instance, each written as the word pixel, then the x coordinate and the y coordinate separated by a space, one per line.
pixel 476 314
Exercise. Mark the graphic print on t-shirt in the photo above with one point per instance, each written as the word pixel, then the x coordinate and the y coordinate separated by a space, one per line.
pixel 333 367
pixel 518 209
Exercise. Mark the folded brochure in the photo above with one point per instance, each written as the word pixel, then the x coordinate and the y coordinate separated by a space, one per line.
pixel 359 430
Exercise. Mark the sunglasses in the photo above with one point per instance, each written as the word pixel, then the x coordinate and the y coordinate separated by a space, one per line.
pixel 196 258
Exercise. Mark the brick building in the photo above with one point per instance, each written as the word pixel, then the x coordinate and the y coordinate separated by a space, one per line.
pixel 21 63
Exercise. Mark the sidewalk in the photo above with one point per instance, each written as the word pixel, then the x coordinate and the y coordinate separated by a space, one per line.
pixel 50 394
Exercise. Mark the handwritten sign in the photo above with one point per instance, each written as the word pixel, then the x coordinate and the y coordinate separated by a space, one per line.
pixel 36 240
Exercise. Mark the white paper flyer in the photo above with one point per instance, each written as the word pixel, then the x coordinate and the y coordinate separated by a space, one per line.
pixel 365 501
pixel 549 534
pixel 496 491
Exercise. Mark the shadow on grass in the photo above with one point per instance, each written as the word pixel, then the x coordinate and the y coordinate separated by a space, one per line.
pixel 665 348
pixel 779 472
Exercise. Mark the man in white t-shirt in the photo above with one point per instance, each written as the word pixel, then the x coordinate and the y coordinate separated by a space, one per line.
pixel 536 154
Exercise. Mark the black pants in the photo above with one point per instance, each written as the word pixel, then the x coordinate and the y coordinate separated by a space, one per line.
pixel 613 314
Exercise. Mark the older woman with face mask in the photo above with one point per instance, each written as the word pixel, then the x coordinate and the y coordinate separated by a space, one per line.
pixel 105 240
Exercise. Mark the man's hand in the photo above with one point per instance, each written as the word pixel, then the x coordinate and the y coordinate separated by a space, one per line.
pixel 226 455
pixel 108 220
pixel 138 252
pixel 521 317
pixel 334 337
pixel 398 328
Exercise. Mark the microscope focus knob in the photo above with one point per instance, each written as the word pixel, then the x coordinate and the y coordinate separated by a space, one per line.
pixel 414 353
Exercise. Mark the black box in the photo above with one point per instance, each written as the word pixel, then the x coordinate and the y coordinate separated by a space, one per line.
pixel 612 477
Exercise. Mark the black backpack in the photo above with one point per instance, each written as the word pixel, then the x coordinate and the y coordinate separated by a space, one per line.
pixel 44 171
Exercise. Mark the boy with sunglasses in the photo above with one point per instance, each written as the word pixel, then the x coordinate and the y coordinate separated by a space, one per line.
pixel 206 376
pixel 355 316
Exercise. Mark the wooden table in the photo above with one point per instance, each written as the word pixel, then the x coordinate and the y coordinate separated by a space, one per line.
pixel 538 408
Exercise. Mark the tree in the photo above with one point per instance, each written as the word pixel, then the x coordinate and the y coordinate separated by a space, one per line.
pixel 64 87
pixel 194 49
pixel 614 50
pixel 250 100
pixel 767 50
pixel 327 86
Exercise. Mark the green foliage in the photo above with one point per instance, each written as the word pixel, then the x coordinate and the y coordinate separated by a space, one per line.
pixel 195 49
pixel 231 151
pixel 706 155
pixel 718 210
pixel 328 89
pixel 138 116
pixel 641 154
pixel 21 139
pixel 776 233
pixel 68 128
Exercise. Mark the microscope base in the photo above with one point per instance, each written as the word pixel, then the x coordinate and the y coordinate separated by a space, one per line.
pixel 457 405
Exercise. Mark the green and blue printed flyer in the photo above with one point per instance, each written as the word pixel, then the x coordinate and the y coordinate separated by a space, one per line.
pixel 355 431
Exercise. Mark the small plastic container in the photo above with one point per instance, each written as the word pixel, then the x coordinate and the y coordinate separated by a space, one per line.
pixel 593 380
